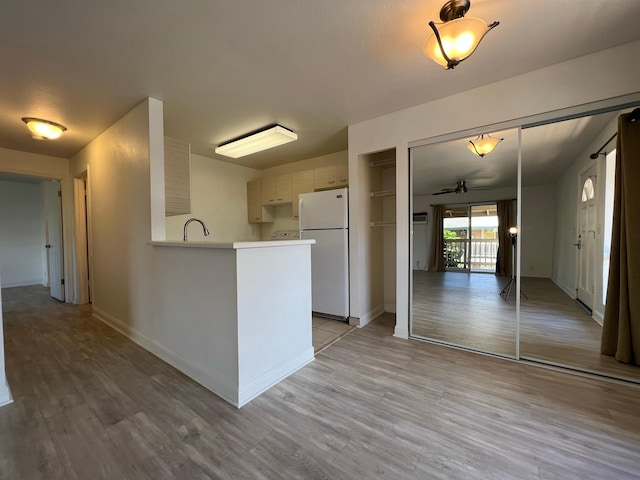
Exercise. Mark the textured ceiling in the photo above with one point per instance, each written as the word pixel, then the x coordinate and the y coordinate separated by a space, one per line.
pixel 547 151
pixel 225 68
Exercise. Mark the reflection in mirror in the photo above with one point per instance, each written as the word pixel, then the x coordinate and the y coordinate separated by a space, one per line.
pixel 462 254
pixel 567 204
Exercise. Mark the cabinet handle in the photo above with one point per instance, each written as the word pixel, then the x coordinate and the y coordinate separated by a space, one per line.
pixel 279 199
pixel 332 181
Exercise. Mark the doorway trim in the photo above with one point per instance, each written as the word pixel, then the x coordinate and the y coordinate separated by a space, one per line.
pixel 83 251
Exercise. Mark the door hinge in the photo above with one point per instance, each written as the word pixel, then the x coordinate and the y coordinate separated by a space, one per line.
pixel 59 193
pixel 62 281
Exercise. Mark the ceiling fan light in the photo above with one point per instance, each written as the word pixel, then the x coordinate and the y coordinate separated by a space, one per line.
pixel 483 144
pixel 457 37
pixel 44 129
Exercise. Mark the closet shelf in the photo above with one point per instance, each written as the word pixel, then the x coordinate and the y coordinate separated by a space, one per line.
pixel 383 224
pixel 383 193
pixel 382 163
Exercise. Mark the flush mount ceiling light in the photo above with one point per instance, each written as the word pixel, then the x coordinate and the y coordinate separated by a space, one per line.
pixel 483 144
pixel 44 129
pixel 457 37
pixel 253 142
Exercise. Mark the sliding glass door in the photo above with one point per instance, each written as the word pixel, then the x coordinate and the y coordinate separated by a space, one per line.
pixel 470 235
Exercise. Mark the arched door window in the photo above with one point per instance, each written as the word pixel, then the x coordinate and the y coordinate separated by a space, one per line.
pixel 588 191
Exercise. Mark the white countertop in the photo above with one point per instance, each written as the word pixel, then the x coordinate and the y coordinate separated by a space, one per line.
pixel 232 245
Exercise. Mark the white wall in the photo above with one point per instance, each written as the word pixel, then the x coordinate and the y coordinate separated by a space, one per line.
pixel 538 231
pixel 219 199
pixel 574 86
pixel 48 167
pixel 371 254
pixel 22 236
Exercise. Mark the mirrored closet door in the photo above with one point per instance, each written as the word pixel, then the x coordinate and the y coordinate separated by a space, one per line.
pixel 465 291
pixel 567 204
pixel 464 203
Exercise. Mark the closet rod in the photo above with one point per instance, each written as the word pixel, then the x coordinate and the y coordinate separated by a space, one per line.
pixel 593 156
pixel 633 117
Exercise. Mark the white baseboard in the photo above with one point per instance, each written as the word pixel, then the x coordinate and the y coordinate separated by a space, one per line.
pixel 248 392
pixel 23 283
pixel 218 385
pixel 401 332
pixel 598 317
pixel 367 317
pixel 5 395
pixel 390 307
pixel 565 288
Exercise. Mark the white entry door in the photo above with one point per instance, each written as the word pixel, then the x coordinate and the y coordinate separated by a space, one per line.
pixel 53 205
pixel 586 243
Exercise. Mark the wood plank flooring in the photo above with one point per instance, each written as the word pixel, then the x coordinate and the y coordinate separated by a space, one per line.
pixel 464 309
pixel 90 404
pixel 467 310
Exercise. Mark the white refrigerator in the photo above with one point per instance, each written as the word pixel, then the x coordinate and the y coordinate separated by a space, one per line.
pixel 324 217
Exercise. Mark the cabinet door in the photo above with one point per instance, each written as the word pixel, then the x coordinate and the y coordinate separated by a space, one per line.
pixel 268 190
pixel 342 175
pixel 283 189
pixel 324 177
pixel 301 182
pixel 177 177
pixel 254 202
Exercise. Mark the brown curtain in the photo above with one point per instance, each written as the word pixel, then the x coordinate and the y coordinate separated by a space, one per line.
pixel 436 263
pixel 505 249
pixel 621 329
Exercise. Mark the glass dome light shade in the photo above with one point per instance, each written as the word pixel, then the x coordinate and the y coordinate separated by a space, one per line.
pixel 483 145
pixel 44 129
pixel 459 37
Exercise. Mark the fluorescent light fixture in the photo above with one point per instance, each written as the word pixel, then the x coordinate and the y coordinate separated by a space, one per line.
pixel 256 142
pixel 43 129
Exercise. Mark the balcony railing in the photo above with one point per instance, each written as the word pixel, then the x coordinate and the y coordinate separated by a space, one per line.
pixel 484 253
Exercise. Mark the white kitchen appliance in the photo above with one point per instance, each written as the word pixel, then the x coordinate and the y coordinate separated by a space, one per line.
pixel 324 217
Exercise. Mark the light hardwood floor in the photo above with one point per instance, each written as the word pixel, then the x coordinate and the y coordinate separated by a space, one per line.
pixel 467 310
pixel 90 404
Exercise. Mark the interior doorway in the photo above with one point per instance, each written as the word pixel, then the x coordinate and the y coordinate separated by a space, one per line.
pixel 54 246
pixel 586 242
pixel 82 238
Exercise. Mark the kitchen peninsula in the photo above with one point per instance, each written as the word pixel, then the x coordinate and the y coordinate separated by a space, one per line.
pixel 242 312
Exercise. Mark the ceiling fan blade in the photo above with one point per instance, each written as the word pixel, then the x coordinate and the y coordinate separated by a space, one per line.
pixel 444 192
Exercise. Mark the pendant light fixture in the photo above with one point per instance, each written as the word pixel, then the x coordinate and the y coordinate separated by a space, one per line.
pixel 483 144
pixel 457 37
pixel 44 129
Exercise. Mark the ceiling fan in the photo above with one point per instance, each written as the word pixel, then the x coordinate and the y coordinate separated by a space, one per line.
pixel 461 187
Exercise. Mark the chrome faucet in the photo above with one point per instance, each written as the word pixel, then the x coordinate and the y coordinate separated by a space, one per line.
pixel 186 224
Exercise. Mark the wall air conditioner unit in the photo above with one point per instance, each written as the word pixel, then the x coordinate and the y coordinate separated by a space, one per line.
pixel 420 217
